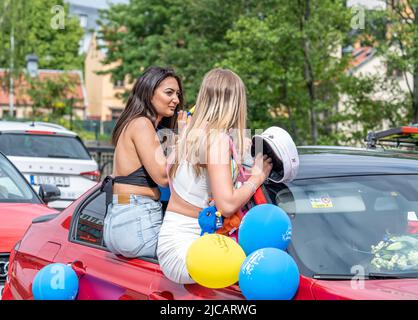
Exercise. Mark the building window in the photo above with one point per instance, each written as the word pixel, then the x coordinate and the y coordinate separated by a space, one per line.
pixel 83 20
pixel 7 113
pixel 118 83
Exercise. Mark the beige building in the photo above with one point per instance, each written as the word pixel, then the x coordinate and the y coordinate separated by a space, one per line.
pixel 102 92
pixel 365 63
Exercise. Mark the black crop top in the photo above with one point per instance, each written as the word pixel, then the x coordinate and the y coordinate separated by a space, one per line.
pixel 140 177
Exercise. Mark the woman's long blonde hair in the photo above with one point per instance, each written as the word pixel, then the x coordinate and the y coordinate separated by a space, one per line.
pixel 221 106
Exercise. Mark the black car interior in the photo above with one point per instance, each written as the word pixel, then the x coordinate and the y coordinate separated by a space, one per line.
pixel 333 242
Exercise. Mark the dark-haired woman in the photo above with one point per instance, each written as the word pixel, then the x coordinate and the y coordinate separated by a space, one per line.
pixel 134 217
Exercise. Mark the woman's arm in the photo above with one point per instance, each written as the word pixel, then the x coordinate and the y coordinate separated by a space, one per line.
pixel 149 150
pixel 228 200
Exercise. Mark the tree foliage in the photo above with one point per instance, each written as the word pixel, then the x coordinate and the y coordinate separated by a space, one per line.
pixel 401 47
pixel 398 46
pixel 188 35
pixel 34 31
pixel 290 59
pixel 51 97
pixel 289 54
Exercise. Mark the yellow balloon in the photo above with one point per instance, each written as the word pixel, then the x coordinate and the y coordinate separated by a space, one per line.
pixel 214 261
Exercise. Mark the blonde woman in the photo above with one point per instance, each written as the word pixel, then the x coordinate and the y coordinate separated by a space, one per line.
pixel 202 173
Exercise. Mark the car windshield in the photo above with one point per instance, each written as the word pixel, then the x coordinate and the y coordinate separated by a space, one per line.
pixel 352 225
pixel 45 146
pixel 13 187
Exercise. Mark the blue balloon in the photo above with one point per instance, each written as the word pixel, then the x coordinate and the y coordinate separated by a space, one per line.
pixel 56 281
pixel 264 226
pixel 269 274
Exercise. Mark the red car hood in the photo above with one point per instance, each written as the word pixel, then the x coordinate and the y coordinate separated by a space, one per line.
pixel 393 289
pixel 15 218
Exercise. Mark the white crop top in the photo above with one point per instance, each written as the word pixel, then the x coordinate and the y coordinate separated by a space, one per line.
pixel 191 188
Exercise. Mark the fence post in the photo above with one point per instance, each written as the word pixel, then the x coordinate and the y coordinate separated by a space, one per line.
pixel 101 153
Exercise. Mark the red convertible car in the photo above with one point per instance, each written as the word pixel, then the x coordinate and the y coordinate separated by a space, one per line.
pixel 354 214
pixel 19 205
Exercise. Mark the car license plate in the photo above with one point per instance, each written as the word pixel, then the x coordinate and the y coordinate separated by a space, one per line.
pixel 59 181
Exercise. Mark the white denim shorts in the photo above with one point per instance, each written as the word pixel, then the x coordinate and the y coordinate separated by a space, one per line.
pixel 176 236
pixel 132 229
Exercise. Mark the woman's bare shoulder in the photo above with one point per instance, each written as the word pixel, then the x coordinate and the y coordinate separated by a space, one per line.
pixel 218 149
pixel 141 124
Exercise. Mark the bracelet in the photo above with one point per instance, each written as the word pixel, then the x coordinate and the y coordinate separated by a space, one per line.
pixel 252 185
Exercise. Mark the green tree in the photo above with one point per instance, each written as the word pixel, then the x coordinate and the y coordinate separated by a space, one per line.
pixel 393 33
pixel 187 35
pixel 401 47
pixel 288 54
pixel 42 27
pixel 289 58
pixel 364 112
pixel 52 98
pixel 36 28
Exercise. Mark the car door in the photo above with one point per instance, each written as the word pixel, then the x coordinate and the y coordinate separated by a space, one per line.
pixel 165 289
pixel 102 274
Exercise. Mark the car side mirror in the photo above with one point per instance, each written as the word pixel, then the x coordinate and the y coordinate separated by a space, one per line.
pixel 49 192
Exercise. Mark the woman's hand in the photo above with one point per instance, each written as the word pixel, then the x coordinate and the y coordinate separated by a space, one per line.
pixel 261 169
pixel 182 121
pixel 228 199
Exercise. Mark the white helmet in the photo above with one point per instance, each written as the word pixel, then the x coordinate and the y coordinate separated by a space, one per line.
pixel 279 146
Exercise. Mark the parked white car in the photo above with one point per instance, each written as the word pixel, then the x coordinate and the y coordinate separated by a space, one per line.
pixel 47 153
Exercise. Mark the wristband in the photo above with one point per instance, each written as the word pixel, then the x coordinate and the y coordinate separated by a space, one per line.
pixel 252 185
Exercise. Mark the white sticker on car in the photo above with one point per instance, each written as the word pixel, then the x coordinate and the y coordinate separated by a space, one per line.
pixel 320 200
pixel 412 216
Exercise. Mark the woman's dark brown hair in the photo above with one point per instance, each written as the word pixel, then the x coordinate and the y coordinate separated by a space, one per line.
pixel 139 102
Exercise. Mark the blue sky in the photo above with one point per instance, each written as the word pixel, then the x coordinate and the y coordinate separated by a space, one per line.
pixel 371 4
pixel 96 3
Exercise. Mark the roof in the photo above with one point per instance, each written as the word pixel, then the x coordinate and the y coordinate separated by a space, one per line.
pixel 15 126
pixel 361 56
pixel 22 99
pixel 316 162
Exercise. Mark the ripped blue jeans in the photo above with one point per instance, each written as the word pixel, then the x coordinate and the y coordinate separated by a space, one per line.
pixel 131 230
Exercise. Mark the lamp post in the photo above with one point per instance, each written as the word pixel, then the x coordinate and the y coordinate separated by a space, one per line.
pixel 71 112
pixel 11 87
pixel 32 70
pixel 32 64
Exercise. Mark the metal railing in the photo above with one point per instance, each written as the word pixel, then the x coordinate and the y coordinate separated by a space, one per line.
pixel 104 157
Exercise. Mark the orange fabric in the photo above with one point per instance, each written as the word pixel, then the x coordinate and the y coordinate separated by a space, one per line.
pixel 230 224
